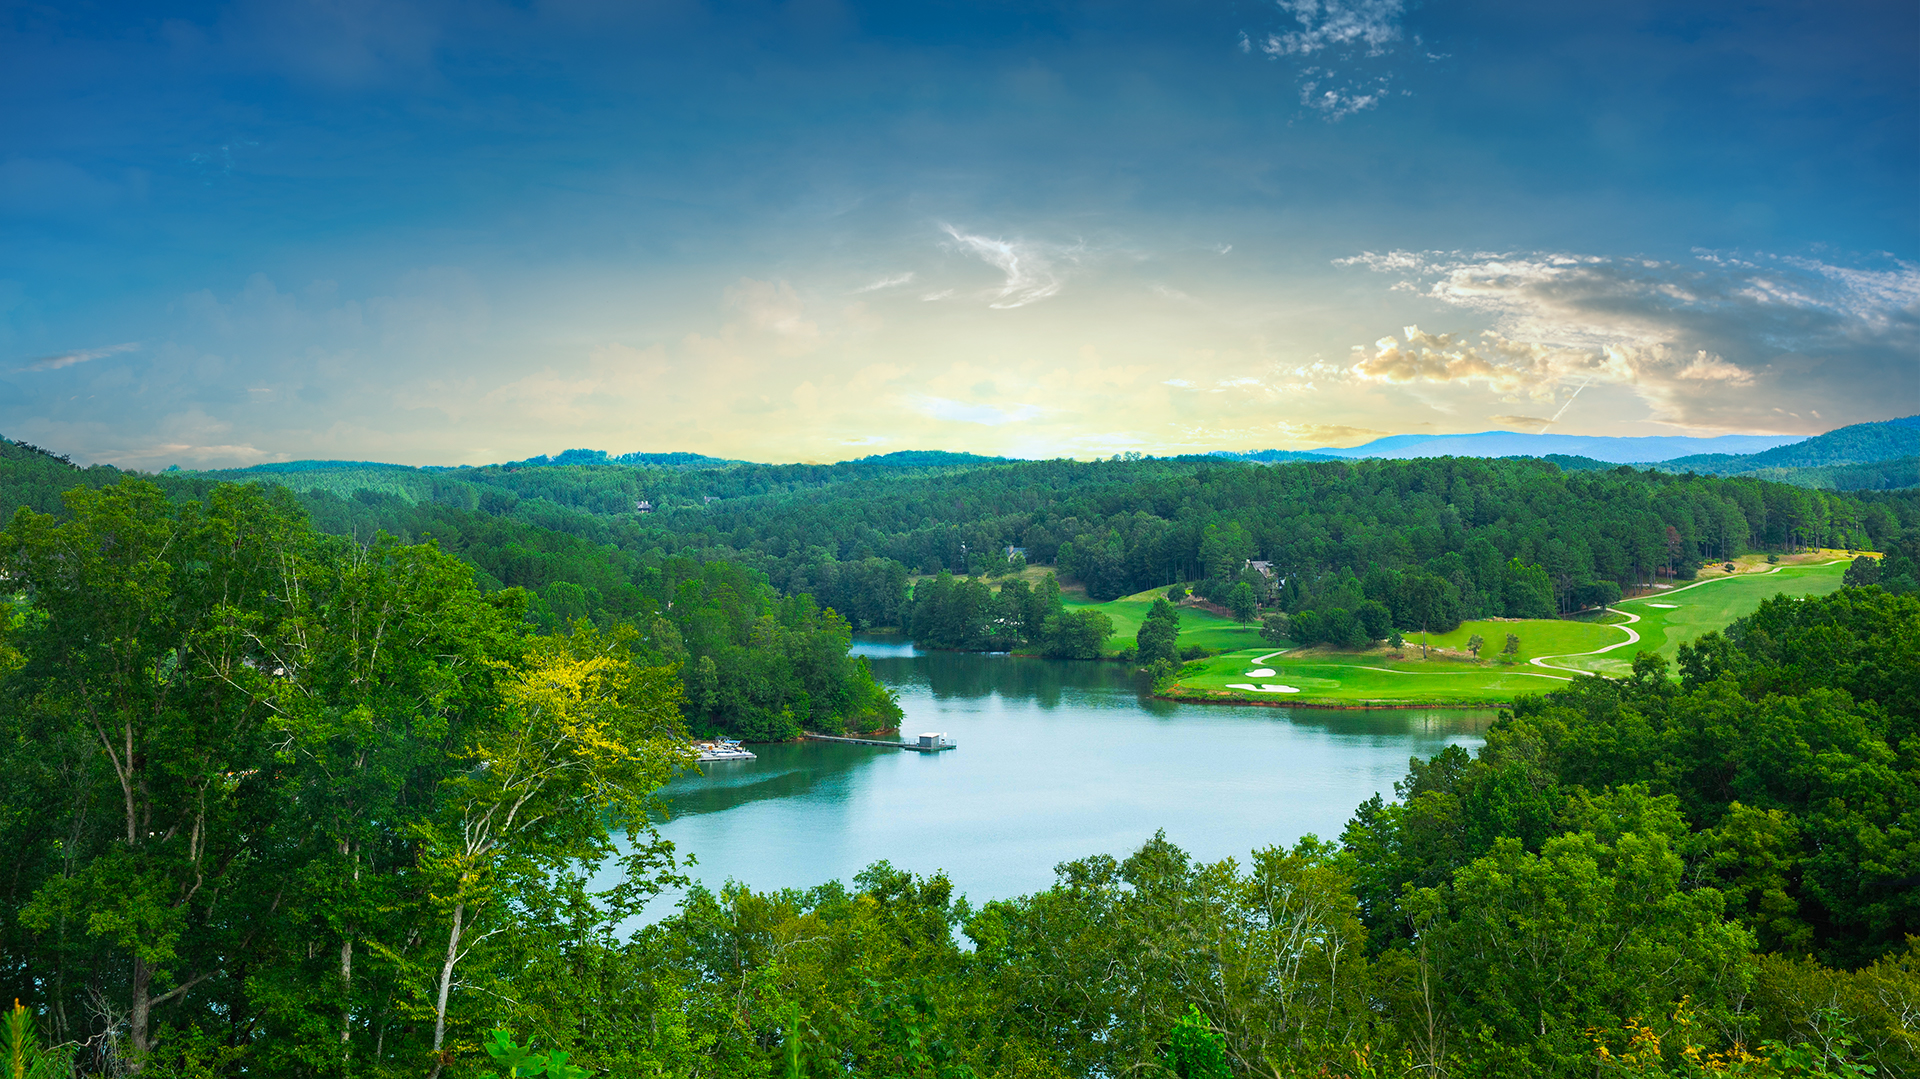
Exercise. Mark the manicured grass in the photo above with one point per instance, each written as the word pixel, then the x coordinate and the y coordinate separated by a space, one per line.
pixel 1368 678
pixel 1706 606
pixel 1450 678
pixel 1198 626
pixel 1538 637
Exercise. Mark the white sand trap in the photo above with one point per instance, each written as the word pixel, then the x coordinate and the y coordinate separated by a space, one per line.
pixel 1665 606
pixel 1263 672
pixel 1266 687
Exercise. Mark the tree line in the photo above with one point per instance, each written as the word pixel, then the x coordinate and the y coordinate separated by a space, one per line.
pixel 1460 538
pixel 279 802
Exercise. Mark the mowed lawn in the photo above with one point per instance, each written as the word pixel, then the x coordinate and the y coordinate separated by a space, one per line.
pixel 1365 678
pixel 1197 625
pixel 1686 613
pixel 1324 676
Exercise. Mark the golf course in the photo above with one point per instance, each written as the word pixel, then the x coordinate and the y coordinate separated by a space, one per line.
pixel 1663 620
pixel 1550 652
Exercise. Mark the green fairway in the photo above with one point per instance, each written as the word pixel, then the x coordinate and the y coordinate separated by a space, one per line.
pixel 1320 676
pixel 1683 614
pixel 1538 637
pixel 1366 678
pixel 1198 626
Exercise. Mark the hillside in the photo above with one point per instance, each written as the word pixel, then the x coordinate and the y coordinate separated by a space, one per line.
pixel 1897 474
pixel 1857 444
pixel 1613 450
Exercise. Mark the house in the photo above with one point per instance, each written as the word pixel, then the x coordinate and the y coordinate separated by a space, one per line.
pixel 643 506
pixel 1265 568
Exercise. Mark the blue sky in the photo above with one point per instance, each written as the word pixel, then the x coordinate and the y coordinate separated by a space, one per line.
pixel 442 233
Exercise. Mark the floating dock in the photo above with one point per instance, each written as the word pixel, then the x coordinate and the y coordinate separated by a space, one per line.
pixel 927 743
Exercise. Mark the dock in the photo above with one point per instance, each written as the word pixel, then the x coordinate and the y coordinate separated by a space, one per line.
pixel 927 743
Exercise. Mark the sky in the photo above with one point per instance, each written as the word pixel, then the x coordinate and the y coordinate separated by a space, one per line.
pixel 462 232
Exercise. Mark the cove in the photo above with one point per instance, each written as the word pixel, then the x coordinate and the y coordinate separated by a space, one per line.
pixel 1057 760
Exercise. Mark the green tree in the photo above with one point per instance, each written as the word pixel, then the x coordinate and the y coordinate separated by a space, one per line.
pixel 1475 643
pixel 1158 637
pixel 1592 931
pixel 144 667
pixel 1076 635
pixel 1863 571
pixel 584 738
pixel 1194 1050
pixel 1242 602
pixel 1376 621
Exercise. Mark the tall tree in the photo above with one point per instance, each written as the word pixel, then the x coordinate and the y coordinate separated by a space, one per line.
pixel 145 649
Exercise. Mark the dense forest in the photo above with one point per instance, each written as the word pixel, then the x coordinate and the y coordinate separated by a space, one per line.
pixel 1429 541
pixel 280 802
pixel 784 655
pixel 1858 444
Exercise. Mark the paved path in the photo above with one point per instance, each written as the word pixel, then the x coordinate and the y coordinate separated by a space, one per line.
pixel 1633 636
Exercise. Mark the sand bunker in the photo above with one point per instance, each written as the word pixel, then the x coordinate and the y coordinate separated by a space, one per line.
pixel 1263 688
pixel 1665 606
pixel 1263 672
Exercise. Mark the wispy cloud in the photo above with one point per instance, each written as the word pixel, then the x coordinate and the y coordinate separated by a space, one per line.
pixel 886 282
pixel 1031 274
pixel 67 359
pixel 1680 335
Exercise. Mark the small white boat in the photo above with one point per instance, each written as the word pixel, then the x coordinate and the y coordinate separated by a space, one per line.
pixel 722 749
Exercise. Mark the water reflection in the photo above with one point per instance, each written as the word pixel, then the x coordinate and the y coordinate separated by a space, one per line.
pixel 1057 760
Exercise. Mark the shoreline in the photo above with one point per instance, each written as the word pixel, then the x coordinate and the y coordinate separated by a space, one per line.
pixel 1322 702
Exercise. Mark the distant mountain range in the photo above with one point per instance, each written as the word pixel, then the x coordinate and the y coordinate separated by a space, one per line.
pixel 1619 451
pixel 1860 444
pixel 1864 456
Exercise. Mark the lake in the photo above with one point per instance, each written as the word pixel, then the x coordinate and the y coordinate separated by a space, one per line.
pixel 1057 760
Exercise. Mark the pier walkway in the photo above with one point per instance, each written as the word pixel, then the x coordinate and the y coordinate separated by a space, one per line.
pixel 918 747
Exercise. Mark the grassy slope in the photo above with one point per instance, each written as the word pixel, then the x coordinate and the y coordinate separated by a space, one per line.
pixel 1377 678
pixel 1707 606
pixel 1448 676
pixel 1197 625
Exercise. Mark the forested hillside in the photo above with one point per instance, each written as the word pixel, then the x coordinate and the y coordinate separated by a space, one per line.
pixel 1858 444
pixel 313 861
pixel 1458 538
pixel 1896 474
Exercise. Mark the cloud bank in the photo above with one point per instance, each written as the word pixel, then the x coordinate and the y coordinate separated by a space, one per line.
pixel 1710 343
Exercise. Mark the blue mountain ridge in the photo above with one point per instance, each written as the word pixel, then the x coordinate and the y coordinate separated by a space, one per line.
pixel 1616 450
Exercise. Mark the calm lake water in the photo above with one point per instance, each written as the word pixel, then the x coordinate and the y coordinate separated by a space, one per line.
pixel 1057 760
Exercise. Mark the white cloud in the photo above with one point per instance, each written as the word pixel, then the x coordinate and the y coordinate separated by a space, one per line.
pixel 1682 336
pixel 67 359
pixel 1345 42
pixel 1370 24
pixel 886 282
pixel 1029 267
